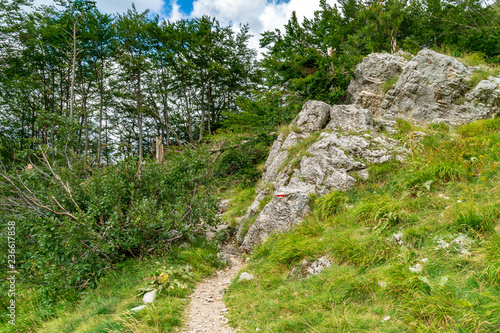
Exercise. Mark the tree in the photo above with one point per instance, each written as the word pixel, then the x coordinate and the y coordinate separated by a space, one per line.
pixel 132 53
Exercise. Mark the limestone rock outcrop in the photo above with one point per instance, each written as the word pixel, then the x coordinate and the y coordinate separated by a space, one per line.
pixel 329 161
pixel 314 116
pixel 375 69
pixel 432 87
pixel 329 147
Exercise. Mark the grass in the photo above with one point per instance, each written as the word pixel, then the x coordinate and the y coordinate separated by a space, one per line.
pixel 444 204
pixel 238 204
pixel 482 74
pixel 106 308
pixel 387 85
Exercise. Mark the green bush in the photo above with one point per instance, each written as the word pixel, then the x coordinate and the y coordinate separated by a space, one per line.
pixel 114 213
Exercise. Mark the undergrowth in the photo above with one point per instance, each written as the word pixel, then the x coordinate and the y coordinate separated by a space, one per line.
pixel 415 248
pixel 107 307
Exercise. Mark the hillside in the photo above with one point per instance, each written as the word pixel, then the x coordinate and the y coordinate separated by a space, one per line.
pixel 363 221
pixel 393 224
pixel 144 160
pixel 413 248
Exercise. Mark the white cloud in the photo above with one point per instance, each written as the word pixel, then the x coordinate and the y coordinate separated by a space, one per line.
pixel 176 13
pixel 120 6
pixel 261 15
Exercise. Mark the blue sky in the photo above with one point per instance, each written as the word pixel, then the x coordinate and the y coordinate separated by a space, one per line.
pixel 186 6
pixel 261 15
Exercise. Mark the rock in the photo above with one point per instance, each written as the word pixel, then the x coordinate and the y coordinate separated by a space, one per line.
pixel 428 88
pixel 149 297
pixel 278 215
pixel 324 167
pixel 278 153
pixel 223 205
pixel 350 118
pixel 364 174
pixel 223 258
pixel 245 277
pixel 369 75
pixel 138 308
pixel 432 87
pixel 209 234
pixel 318 266
pixel 313 117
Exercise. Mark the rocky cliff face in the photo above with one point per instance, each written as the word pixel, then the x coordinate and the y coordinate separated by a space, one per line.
pixel 339 150
pixel 431 87
pixel 329 147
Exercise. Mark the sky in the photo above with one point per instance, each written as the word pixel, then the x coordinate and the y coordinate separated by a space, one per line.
pixel 261 15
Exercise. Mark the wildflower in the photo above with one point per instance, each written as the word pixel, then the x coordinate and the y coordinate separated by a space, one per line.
pixel 382 284
pixel 416 269
pixel 386 318
pixel 424 260
pixel 398 238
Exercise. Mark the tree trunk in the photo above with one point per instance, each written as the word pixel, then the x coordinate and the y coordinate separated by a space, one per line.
pixel 139 113
pixel 73 69
pixel 101 103
pixel 202 120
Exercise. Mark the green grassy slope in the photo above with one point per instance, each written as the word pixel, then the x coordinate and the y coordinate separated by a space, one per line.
pixel 443 276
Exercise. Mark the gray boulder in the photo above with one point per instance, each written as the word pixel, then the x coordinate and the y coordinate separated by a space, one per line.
pixel 429 88
pixel 482 102
pixel 369 75
pixel 149 297
pixel 245 277
pixel 432 87
pixel 313 116
pixel 319 266
pixel 350 118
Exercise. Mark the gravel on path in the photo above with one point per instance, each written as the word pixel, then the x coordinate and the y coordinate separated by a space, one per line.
pixel 207 309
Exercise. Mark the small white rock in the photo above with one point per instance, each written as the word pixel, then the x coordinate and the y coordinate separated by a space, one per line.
pixel 245 277
pixel 382 284
pixel 416 269
pixel 138 308
pixel 149 297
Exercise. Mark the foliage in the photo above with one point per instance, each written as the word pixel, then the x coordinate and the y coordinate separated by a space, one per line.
pixel 116 212
pixel 241 161
pixel 106 307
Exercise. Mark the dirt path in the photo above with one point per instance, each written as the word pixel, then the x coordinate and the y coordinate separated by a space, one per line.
pixel 206 312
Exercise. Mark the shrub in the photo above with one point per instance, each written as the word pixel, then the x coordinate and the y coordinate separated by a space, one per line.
pixel 113 213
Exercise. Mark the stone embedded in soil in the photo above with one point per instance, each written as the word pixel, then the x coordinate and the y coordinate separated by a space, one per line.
pixel 149 297
pixel 138 308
